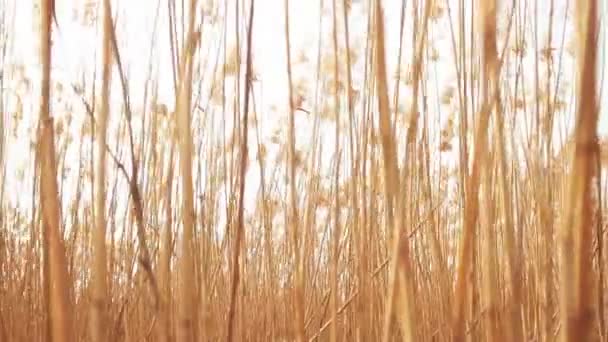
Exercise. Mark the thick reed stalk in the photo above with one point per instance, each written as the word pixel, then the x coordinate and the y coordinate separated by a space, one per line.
pixel 99 314
pixel 56 281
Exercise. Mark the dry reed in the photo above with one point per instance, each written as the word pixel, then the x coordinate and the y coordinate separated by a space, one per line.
pixel 467 207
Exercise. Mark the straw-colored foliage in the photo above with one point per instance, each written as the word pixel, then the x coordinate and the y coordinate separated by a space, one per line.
pixel 417 170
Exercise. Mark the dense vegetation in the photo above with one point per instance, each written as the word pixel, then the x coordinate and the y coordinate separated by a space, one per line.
pixel 415 170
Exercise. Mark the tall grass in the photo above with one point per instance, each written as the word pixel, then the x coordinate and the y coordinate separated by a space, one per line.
pixel 360 193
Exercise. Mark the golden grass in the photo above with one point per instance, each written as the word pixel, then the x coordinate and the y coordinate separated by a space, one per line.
pixel 468 211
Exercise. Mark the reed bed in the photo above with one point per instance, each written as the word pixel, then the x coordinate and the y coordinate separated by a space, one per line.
pixel 418 170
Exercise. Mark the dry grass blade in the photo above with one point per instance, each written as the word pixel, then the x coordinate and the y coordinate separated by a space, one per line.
pixel 399 283
pixel 99 316
pixel 244 150
pixel 471 208
pixel 298 287
pixel 187 309
pixel 57 283
pixel 578 310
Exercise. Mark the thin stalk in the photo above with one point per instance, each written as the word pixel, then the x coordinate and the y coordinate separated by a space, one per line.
pixel 244 151
pixel 99 314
